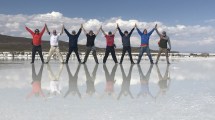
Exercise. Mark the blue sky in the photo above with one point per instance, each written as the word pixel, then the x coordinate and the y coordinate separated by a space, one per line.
pixel 189 23
pixel 186 12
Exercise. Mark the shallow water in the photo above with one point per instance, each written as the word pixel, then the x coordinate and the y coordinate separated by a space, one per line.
pixel 183 90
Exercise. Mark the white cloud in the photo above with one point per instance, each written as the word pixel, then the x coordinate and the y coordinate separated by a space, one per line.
pixel 197 38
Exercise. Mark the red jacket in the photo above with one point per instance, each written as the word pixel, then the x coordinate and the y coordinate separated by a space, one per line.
pixel 110 40
pixel 36 38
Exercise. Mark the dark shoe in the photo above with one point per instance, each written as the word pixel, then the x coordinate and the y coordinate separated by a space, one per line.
pixel 120 63
pixel 116 62
pixel 97 62
pixel 83 62
pixel 152 63
pixel 132 63
pixel 156 62
pixel 168 62
pixel 32 62
pixel 45 62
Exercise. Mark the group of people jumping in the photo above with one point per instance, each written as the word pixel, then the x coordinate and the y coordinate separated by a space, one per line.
pixel 90 44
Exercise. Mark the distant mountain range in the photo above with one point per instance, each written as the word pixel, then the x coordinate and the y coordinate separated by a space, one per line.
pixel 20 44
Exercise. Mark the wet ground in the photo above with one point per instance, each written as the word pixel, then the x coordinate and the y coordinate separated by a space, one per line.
pixel 183 90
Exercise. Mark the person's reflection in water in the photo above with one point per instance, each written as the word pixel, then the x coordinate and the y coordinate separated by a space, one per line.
pixel 55 87
pixel 73 82
pixel 125 88
pixel 109 88
pixel 164 81
pixel 36 83
pixel 90 79
pixel 144 82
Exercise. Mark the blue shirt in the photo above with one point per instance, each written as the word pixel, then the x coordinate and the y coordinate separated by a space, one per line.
pixel 73 39
pixel 145 37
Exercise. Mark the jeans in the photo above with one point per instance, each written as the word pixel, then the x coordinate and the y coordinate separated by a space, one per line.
pixel 142 50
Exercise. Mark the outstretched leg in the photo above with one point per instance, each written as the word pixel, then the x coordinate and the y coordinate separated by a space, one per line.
pixel 68 54
pixel 123 53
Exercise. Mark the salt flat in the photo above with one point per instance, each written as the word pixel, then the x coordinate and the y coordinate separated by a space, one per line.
pixel 183 90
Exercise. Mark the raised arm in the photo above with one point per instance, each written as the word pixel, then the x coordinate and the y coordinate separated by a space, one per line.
pixel 79 31
pixel 132 30
pixel 115 31
pixel 62 30
pixel 43 30
pixel 29 30
pixel 103 31
pixel 156 29
pixel 120 32
pixel 85 32
pixel 98 31
pixel 47 29
pixel 139 32
pixel 68 34
pixel 152 30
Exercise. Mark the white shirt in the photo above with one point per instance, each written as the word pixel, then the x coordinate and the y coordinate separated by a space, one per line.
pixel 54 39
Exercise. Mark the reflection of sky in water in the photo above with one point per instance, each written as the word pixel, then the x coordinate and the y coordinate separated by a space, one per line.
pixel 83 92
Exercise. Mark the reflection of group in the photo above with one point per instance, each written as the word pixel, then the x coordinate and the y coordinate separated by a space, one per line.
pixel 109 90
pixel 90 44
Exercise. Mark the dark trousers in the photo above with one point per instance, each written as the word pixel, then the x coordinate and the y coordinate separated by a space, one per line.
pixel 110 49
pixel 126 48
pixel 39 50
pixel 71 49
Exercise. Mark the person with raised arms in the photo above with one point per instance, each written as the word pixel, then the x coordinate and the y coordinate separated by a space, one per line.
pixel 73 43
pixel 36 42
pixel 90 45
pixel 54 47
pixel 164 39
pixel 110 48
pixel 144 46
pixel 126 43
